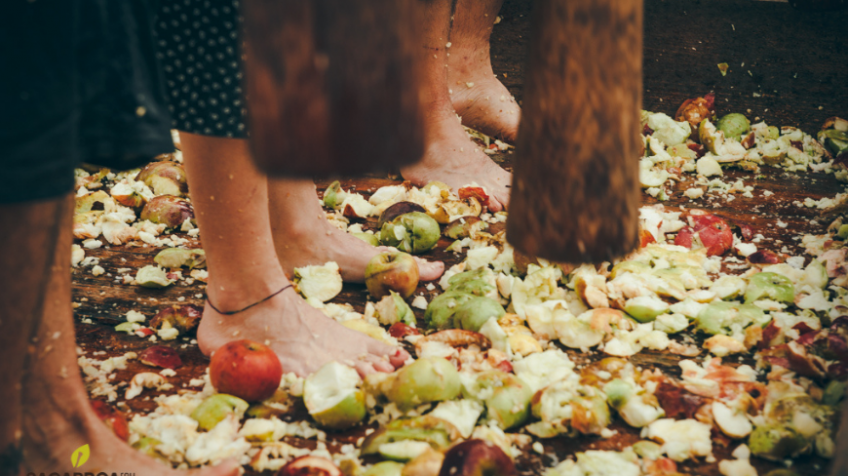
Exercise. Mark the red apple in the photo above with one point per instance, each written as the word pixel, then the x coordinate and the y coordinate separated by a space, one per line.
pixel 391 271
pixel 309 465
pixel 115 420
pixel 246 369
pixel 477 458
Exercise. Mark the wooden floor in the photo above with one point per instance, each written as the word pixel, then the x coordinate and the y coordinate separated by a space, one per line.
pixel 104 301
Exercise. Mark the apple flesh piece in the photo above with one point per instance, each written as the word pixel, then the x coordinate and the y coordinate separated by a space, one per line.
pixel 385 468
pixel 392 309
pixel 280 404
pixel 168 210
pixel 770 286
pixel 645 308
pixel 175 258
pixel 215 408
pixel 414 232
pixel 477 458
pixel 507 398
pixel 147 446
pixel 423 381
pixel 472 314
pixel 332 397
pixel 426 464
pixel 391 271
pixel 465 227
pixel 246 369
pixel 114 419
pixel 160 356
pixel 185 318
pixel 309 465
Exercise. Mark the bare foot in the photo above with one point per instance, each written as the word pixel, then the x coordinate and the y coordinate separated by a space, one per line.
pixel 302 236
pixel 303 337
pixel 453 158
pixel 482 101
pixel 476 94
pixel 51 437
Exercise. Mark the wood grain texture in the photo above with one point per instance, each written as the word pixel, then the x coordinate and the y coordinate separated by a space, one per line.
pixel 575 190
pixel 332 85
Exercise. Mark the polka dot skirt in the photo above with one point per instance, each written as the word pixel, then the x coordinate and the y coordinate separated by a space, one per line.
pixel 200 54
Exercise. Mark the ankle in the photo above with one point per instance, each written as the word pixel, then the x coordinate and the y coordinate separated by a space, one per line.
pixel 236 294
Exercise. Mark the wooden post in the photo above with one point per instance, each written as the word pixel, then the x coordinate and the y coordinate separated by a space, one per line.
pixel 575 188
pixel 332 85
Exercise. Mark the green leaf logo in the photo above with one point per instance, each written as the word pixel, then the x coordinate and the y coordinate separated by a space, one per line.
pixel 80 456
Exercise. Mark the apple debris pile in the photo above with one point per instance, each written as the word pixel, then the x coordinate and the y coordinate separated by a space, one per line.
pixel 495 369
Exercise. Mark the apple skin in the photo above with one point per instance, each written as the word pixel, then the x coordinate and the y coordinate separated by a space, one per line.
pixel 246 369
pixel 477 458
pixel 215 408
pixel 308 465
pixel 391 271
pixel 114 419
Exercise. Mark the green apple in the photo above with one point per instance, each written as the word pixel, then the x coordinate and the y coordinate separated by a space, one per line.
pixel 440 312
pixel 472 314
pixel 215 408
pixel 423 381
pixel 413 232
pixel 618 392
pixel 770 286
pixel 477 287
pixel 438 433
pixel 333 398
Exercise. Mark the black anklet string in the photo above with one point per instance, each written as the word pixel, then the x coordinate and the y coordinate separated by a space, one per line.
pixel 230 313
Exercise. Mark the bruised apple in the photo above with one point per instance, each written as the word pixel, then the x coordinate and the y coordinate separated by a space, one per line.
pixel 308 465
pixel 168 210
pixel 477 458
pixel 414 232
pixel 164 178
pixel 246 369
pixel 423 381
pixel 391 271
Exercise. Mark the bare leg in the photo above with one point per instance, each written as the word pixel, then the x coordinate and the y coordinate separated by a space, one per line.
pixel 450 156
pixel 231 202
pixel 477 96
pixel 303 236
pixel 46 407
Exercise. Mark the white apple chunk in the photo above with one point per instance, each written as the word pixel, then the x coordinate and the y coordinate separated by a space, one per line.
pixel 333 398
pixel 732 423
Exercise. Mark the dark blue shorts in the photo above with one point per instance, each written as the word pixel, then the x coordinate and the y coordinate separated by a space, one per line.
pixel 79 82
